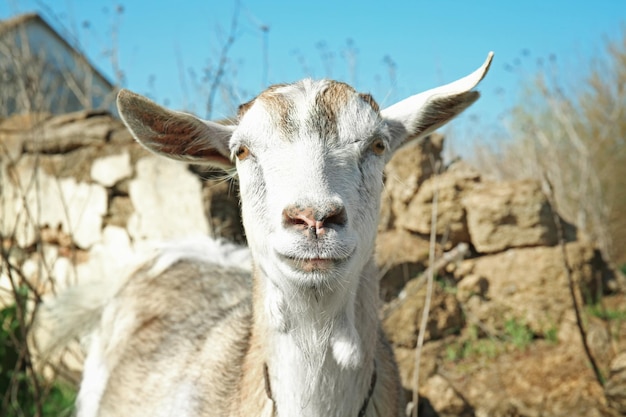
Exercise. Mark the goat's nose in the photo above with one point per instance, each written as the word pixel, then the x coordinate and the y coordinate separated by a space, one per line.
pixel 314 221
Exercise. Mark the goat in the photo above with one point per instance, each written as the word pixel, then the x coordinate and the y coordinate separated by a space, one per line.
pixel 192 333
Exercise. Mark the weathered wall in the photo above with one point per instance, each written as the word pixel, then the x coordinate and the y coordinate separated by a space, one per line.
pixel 77 190
pixel 502 338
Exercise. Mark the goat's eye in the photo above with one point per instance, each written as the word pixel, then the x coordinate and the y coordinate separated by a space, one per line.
pixel 378 147
pixel 242 152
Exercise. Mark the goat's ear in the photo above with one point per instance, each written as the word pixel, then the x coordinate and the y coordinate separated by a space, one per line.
pixel 421 114
pixel 174 134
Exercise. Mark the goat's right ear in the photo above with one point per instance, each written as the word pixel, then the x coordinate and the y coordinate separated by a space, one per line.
pixel 174 134
pixel 419 115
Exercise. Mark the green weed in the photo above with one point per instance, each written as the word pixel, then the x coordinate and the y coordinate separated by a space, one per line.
pixel 599 311
pixel 20 396
pixel 519 334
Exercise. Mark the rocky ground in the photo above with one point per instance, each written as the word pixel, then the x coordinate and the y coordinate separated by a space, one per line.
pixel 80 199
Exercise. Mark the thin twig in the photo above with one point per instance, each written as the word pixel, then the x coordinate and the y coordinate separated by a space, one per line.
pixel 456 254
pixel 429 291
pixel 20 341
pixel 221 66
pixel 570 281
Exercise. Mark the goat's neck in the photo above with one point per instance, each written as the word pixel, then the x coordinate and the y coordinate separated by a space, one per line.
pixel 319 348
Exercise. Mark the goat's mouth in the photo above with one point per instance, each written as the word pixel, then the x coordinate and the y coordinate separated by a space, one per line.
pixel 312 264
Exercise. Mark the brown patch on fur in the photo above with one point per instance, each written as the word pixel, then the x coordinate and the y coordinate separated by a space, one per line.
pixel 278 106
pixel 327 106
pixel 370 100
pixel 243 108
pixel 325 113
pixel 271 90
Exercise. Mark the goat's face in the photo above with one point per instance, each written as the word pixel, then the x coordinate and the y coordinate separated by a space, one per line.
pixel 310 158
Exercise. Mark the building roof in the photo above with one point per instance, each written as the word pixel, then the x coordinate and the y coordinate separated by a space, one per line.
pixel 23 19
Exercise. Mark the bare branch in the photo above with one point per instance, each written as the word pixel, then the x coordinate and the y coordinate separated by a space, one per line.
pixel 571 285
pixel 429 291
pixel 223 60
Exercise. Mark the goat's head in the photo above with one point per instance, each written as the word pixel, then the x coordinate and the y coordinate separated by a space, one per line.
pixel 310 160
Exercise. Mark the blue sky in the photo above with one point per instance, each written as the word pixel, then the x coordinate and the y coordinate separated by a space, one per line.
pixel 426 43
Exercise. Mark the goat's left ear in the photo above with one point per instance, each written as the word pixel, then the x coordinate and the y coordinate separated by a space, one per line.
pixel 173 134
pixel 421 114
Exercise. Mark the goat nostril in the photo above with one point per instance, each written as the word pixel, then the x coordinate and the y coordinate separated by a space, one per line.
pixel 337 217
pixel 297 221
pixel 295 217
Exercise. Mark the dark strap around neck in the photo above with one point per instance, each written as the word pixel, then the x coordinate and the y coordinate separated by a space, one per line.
pixel 268 387
pixel 369 393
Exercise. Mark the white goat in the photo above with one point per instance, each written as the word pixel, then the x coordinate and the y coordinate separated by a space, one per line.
pixel 189 335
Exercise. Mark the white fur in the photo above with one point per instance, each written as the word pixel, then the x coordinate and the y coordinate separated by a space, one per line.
pixel 346 343
pixel 95 380
pixel 181 402
pixel 203 248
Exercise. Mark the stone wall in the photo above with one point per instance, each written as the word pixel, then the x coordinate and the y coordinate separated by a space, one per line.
pixel 502 337
pixel 80 199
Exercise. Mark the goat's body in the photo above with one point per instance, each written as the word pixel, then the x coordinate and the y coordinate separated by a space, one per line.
pixel 203 312
pixel 191 322
pixel 191 334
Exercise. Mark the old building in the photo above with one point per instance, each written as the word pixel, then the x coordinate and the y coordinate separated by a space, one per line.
pixel 41 71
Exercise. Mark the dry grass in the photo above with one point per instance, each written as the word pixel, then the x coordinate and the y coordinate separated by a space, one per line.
pixel 575 136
